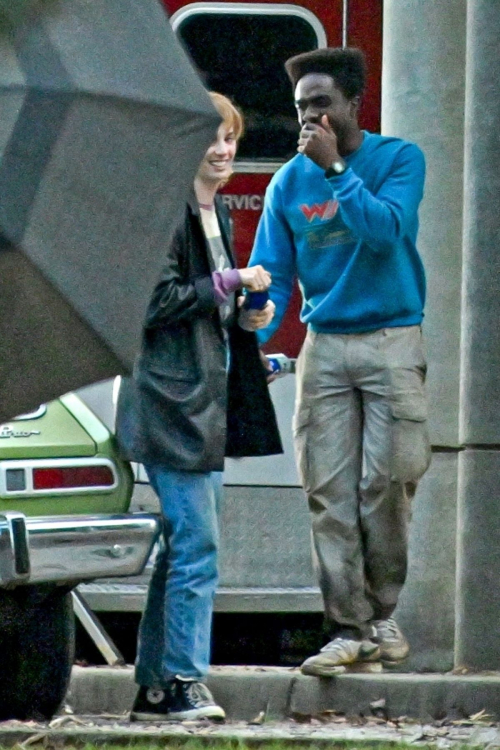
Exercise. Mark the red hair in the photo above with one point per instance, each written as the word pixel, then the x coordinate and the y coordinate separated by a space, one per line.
pixel 231 116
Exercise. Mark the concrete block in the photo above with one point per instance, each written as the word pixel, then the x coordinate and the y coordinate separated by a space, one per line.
pixel 245 692
pixel 426 609
pixel 481 300
pixel 478 561
pixel 98 690
pixel 279 692
pixel 418 81
pixel 425 697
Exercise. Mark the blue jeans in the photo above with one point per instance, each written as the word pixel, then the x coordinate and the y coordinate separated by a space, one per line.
pixel 175 631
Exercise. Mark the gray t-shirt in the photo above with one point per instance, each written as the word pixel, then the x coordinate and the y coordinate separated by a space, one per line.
pixel 220 257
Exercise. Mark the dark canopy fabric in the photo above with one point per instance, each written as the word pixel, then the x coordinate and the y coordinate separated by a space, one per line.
pixel 103 123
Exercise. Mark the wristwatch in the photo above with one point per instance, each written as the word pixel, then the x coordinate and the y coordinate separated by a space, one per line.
pixel 338 167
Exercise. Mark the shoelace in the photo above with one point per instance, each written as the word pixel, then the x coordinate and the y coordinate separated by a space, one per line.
pixel 388 629
pixel 198 694
pixel 338 644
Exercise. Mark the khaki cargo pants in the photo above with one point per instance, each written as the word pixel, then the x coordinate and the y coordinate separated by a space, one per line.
pixel 362 444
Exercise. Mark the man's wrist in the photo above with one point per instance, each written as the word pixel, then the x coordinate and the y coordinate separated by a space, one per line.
pixel 336 168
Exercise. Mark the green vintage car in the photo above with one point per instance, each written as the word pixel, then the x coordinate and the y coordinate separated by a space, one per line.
pixel 64 497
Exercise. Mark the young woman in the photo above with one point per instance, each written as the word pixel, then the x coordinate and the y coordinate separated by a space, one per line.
pixel 198 392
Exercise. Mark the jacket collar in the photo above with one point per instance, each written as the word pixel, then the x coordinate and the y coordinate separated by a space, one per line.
pixel 192 202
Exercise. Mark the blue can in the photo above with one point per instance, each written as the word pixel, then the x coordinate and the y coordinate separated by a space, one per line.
pixel 256 300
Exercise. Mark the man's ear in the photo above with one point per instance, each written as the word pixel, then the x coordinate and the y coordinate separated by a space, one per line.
pixel 354 105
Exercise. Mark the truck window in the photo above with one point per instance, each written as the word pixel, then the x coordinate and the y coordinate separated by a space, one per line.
pixel 239 50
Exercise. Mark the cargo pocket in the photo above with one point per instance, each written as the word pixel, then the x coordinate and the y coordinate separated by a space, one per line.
pixel 410 439
pixel 409 406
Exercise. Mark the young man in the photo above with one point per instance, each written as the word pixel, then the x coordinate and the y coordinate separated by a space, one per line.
pixel 173 417
pixel 342 216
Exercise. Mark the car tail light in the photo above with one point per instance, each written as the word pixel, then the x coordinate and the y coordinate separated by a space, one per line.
pixel 69 477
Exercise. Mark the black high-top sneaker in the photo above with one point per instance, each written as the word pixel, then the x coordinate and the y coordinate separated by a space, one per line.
pixel 180 699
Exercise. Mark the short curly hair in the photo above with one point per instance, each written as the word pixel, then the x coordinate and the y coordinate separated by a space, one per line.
pixel 346 65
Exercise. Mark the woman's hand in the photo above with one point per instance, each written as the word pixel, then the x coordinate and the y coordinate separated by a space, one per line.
pixel 252 320
pixel 255 278
pixel 271 375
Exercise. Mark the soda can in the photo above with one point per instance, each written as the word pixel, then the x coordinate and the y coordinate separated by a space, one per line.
pixel 281 364
pixel 256 300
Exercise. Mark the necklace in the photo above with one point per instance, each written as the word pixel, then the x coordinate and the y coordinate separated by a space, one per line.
pixel 206 206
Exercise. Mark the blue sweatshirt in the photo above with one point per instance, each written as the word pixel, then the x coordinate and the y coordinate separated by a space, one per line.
pixel 350 240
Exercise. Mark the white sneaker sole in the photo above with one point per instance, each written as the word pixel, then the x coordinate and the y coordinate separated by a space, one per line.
pixel 393 663
pixel 397 658
pixel 359 667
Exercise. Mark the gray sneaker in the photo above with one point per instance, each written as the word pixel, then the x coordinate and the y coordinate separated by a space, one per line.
pixel 339 655
pixel 393 645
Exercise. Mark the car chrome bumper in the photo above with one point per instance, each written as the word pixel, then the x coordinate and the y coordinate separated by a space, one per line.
pixel 73 548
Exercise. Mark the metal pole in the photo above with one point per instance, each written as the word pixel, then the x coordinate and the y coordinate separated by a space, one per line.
pixel 96 631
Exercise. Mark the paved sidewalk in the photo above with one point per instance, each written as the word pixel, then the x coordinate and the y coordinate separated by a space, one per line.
pixel 266 704
pixel 323 730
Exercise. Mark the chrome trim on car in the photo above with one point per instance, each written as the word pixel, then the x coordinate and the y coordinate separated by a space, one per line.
pixel 14 548
pixel 28 465
pixel 32 414
pixel 268 9
pixel 66 549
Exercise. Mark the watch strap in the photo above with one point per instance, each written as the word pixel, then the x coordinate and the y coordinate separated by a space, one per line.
pixel 337 168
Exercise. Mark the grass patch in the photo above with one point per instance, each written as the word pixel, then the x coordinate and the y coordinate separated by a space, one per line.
pixel 214 743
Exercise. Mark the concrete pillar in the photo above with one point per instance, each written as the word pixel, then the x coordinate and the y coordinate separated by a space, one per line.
pixel 478 563
pixel 423 83
pixel 423 86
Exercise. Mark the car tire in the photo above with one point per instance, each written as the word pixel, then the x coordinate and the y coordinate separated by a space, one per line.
pixel 37 640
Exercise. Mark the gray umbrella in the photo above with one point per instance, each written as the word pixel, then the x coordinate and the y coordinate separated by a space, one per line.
pixel 103 123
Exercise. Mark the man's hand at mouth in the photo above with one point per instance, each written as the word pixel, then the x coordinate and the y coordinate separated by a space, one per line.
pixel 319 142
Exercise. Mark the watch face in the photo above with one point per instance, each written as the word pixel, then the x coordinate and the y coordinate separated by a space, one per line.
pixel 338 167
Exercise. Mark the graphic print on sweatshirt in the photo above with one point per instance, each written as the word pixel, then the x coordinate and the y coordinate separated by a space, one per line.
pixel 325 227
pixel 323 211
